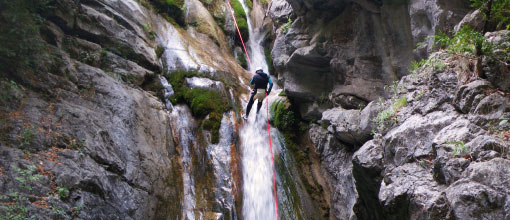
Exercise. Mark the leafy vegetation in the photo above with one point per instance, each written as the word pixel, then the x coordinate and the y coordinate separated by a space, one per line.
pixel 172 10
pixel 459 148
pixel 21 43
pixel 62 192
pixel 26 176
pixel 16 205
pixel 242 23
pixel 8 90
pixel 150 32
pixel 388 116
pixel 17 210
pixel 286 26
pixel 417 65
pixel 27 137
pixel 202 102
pixel 465 40
pixel 496 12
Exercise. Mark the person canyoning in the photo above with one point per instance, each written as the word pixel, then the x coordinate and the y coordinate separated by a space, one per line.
pixel 260 83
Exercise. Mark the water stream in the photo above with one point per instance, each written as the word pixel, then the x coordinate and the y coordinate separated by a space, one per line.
pixel 256 164
pixel 258 197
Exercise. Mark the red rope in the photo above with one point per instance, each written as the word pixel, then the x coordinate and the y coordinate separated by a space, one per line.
pixel 267 102
pixel 272 159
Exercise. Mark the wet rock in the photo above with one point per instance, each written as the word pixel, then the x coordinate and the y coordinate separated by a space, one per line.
pixel 102 29
pixel 128 70
pixel 198 82
pixel 198 15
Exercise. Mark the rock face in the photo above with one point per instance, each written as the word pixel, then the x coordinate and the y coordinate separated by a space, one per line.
pixel 351 48
pixel 86 134
pixel 441 159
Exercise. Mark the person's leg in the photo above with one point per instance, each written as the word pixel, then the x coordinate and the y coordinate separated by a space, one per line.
pixel 259 105
pixel 250 103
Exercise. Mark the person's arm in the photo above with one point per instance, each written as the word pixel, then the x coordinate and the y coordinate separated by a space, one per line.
pixel 270 86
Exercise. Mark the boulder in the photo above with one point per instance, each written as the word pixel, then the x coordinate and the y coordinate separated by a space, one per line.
pixel 344 124
pixel 474 19
pixel 482 192
pixel 497 71
pixel 468 96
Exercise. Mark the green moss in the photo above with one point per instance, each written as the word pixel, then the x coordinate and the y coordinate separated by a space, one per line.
pixel 269 60
pixel 159 51
pixel 388 117
pixel 21 43
pixel 282 116
pixel 287 25
pixel 241 21
pixel 242 61
pixel 201 101
pixel 249 3
pixel 172 8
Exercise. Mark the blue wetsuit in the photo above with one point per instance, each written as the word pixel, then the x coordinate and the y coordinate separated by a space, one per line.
pixel 260 81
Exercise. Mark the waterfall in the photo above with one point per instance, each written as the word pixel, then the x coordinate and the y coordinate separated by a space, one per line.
pixel 255 49
pixel 183 126
pixel 258 200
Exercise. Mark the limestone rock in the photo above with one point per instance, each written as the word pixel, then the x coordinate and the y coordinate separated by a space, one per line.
pixel 473 19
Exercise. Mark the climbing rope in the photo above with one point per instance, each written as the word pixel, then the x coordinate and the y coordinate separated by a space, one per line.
pixel 272 159
pixel 267 105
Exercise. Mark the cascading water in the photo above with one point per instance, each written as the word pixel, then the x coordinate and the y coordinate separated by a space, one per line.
pixel 183 125
pixel 258 201
pixel 258 197
pixel 256 51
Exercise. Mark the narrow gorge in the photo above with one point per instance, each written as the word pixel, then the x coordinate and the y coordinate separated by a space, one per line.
pixel 132 109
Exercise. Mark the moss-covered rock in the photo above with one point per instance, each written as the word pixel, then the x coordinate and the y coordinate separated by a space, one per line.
pixel 173 10
pixel 282 115
pixel 241 21
pixel 203 102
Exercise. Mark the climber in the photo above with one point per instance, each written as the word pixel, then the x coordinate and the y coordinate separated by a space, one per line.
pixel 260 90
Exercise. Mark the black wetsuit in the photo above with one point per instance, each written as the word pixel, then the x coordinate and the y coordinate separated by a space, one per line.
pixel 260 80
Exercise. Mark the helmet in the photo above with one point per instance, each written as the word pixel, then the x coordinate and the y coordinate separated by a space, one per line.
pixel 259 68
